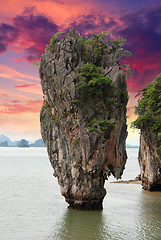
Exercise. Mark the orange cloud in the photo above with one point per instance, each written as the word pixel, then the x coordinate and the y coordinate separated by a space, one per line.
pixel 26 85
pixel 17 59
pixel 10 96
pixel 4 93
pixel 16 108
pixel 30 88
pixel 8 72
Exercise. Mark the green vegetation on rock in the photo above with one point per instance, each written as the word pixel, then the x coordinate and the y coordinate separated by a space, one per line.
pixel 55 39
pixel 95 124
pixel 75 142
pixel 123 96
pixel 149 110
pixel 92 47
pixel 117 47
pixel 93 85
pixel 94 88
pixel 90 81
pixel 47 107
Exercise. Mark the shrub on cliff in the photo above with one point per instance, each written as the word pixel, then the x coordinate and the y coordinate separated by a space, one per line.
pixel 90 81
pixel 149 110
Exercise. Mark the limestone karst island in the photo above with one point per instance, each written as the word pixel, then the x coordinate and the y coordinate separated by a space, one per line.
pixel 83 118
pixel 149 122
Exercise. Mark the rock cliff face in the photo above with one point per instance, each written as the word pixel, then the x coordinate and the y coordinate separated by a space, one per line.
pixel 84 130
pixel 149 123
pixel 149 161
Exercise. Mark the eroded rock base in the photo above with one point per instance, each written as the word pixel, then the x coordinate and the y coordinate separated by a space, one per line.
pixel 152 188
pixel 85 205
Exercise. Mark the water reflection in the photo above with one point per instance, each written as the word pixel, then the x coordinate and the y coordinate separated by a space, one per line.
pixel 78 225
pixel 149 221
pixel 129 214
pixel 117 221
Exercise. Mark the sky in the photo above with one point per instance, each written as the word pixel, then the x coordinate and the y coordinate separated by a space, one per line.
pixel 26 27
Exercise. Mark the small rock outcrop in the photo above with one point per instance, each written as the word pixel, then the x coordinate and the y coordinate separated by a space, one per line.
pixel 149 123
pixel 150 162
pixel 83 118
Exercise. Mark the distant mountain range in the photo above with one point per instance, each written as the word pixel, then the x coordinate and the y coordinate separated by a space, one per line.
pixel 131 146
pixel 6 142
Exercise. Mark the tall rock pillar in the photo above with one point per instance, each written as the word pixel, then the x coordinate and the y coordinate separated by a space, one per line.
pixel 83 118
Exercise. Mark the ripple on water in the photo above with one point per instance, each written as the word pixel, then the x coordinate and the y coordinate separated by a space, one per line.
pixel 31 206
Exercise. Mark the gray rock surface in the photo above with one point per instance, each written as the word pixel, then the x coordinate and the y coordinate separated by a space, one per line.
pixel 82 159
pixel 149 161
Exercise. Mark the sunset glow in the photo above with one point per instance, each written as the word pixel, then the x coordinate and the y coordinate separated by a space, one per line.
pixel 27 26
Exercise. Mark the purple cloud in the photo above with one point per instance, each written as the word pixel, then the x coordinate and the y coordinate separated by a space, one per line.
pixel 92 23
pixel 31 32
pixel 143 36
pixel 143 29
pixel 8 34
pixel 36 31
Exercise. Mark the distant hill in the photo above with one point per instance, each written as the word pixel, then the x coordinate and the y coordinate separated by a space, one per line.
pixel 6 142
pixel 4 139
pixel 38 143
pixel 23 143
pixel 131 146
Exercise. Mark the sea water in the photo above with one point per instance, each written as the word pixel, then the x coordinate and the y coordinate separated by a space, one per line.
pixel 32 208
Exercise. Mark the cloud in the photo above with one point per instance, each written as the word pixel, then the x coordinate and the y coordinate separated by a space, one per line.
pixel 10 96
pixel 143 33
pixel 30 88
pixel 93 23
pixel 142 29
pixel 26 85
pixel 10 73
pixel 35 32
pixel 4 93
pixel 16 101
pixel 16 108
pixel 29 33
pixel 17 59
pixel 8 34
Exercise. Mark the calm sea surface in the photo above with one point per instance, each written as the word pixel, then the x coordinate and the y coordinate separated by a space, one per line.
pixel 32 208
